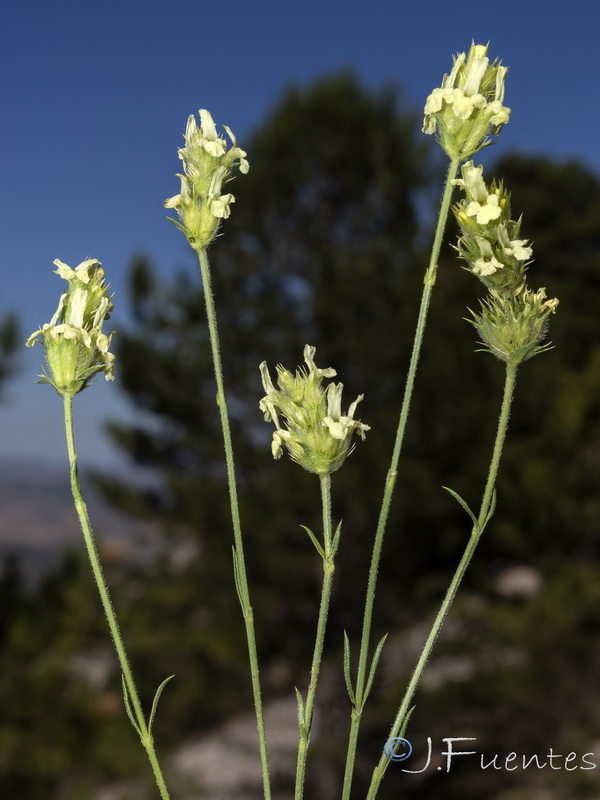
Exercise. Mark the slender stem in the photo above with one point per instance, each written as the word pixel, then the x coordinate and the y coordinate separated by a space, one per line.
pixel 429 282
pixel 328 570
pixel 486 504
pixel 132 694
pixel 239 561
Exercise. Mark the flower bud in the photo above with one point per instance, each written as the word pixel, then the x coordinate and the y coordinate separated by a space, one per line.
pixel 468 105
pixel 513 328
pixel 76 347
pixel 317 435
pixel 207 165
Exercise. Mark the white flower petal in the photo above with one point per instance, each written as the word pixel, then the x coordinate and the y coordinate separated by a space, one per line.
pixel 219 207
pixel 353 405
pixel 334 401
pixel 209 129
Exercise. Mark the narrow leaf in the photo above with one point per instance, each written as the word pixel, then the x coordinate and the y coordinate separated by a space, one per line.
pixel 155 701
pixel 315 541
pixel 128 708
pixel 491 510
pixel 374 663
pixel 336 540
pixel 236 577
pixel 347 675
pixel 406 719
pixel 301 718
pixel 463 505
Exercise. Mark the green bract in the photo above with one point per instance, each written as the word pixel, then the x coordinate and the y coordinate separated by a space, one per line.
pixel 76 347
pixel 207 165
pixel 316 433
pixel 512 328
pixel 468 105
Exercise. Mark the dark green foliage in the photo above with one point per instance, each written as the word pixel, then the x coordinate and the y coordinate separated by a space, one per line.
pixel 58 735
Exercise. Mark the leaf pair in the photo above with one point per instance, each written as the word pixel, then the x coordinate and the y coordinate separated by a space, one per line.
pixel 359 703
pixel 478 526
pixel 144 731
pixel 326 556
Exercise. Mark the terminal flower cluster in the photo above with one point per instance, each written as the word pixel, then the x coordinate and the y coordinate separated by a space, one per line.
pixel 76 347
pixel 317 435
pixel 207 165
pixel 514 319
pixel 468 106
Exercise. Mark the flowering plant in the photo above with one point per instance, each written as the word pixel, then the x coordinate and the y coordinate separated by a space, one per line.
pixel 307 413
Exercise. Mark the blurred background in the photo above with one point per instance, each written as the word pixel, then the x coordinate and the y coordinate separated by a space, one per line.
pixel 326 244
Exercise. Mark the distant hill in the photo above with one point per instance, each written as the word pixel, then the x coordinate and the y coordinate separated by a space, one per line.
pixel 38 520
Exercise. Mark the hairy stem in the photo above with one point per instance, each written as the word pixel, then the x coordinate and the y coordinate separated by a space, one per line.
pixel 239 561
pixel 305 720
pixel 429 282
pixel 486 504
pixel 131 691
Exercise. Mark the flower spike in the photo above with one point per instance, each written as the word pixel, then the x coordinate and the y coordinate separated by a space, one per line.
pixel 316 434
pixel 513 320
pixel 207 165
pixel 76 347
pixel 468 105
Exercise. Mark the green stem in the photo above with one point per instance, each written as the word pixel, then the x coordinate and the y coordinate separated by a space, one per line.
pixel 80 507
pixel 328 570
pixel 239 561
pixel 486 503
pixel 429 282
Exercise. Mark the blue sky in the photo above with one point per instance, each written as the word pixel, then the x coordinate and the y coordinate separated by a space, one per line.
pixel 95 96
